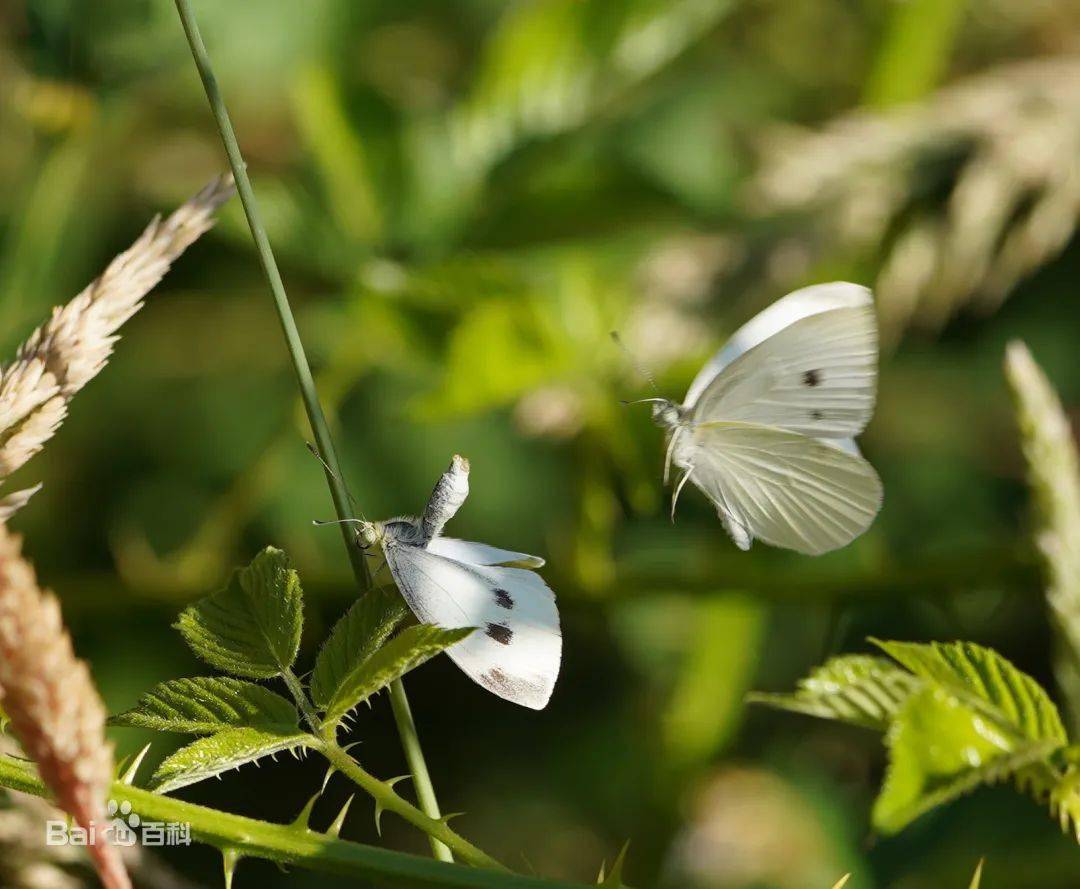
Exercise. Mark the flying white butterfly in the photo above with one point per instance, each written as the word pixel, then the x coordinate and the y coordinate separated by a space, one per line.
pixel 516 648
pixel 767 428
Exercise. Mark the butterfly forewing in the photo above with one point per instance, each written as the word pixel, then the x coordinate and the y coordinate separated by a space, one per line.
pixel 794 307
pixel 817 376
pixel 516 648
pixel 783 487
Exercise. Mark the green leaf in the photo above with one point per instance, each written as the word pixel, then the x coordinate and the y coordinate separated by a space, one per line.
pixel 363 629
pixel 986 681
pixel 707 703
pixel 225 750
pixel 939 748
pixel 252 627
pixel 208 704
pixel 409 649
pixel 858 689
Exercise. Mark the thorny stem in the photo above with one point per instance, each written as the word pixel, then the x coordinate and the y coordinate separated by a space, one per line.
pixel 386 798
pixel 296 844
pixel 410 740
pixel 301 698
pixel 384 795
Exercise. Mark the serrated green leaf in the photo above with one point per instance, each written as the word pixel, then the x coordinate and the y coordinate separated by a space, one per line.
pixel 363 630
pixel 857 689
pixel 220 752
pixel 986 681
pixel 409 649
pixel 939 748
pixel 252 627
pixel 207 704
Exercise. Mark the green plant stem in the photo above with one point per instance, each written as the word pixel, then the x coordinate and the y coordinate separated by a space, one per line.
pixel 410 740
pixel 384 795
pixel 293 844
pixel 301 698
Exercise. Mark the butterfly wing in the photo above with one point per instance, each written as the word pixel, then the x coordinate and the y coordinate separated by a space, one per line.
pixel 481 554
pixel 787 310
pixel 517 647
pixel 787 489
pixel 817 376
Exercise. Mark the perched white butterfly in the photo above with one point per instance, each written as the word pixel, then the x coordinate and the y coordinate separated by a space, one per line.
pixel 767 428
pixel 516 648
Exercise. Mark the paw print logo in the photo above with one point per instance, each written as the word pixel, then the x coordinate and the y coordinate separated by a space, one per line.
pixel 122 823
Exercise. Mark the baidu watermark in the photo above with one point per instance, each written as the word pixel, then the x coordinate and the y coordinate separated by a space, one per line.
pixel 124 828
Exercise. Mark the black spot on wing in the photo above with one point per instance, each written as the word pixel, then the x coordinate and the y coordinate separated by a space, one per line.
pixel 811 377
pixel 817 415
pixel 503 599
pixel 500 633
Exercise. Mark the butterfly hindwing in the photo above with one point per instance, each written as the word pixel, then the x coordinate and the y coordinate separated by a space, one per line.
pixel 516 648
pixel 782 487
pixel 481 553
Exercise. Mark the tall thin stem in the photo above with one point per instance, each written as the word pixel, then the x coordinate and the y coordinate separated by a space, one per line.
pixel 410 740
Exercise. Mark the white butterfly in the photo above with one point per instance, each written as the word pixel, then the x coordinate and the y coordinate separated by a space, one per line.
pixel 516 648
pixel 767 428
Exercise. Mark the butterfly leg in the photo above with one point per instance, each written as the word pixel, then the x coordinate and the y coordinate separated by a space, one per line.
pixel 678 490
pixel 669 456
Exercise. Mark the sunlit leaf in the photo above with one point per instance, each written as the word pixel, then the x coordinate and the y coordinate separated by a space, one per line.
pixel 207 704
pixel 252 627
pixel 409 649
pixel 363 629
pixel 940 748
pixel 988 683
pixel 220 752
pixel 858 689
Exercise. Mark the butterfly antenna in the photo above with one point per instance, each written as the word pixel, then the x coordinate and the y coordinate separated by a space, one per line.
pixel 348 494
pixel 320 522
pixel 656 400
pixel 637 365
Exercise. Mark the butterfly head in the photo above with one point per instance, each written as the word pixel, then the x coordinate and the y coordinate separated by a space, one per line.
pixel 369 534
pixel 666 414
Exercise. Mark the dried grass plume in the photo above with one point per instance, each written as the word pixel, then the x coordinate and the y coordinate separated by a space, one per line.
pixel 69 349
pixel 1054 476
pixel 55 711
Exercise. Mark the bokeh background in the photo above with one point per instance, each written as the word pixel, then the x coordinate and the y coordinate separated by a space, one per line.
pixel 465 198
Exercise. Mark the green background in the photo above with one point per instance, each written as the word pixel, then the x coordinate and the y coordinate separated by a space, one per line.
pixel 465 198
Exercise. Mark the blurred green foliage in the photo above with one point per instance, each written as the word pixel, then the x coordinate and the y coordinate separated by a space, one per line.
pixel 466 198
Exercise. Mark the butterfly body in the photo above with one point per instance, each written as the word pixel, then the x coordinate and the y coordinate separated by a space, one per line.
pixel 767 428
